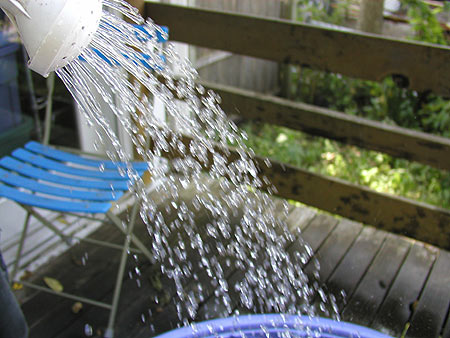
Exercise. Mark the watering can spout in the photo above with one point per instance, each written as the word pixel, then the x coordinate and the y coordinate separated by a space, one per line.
pixel 54 32
pixel 13 8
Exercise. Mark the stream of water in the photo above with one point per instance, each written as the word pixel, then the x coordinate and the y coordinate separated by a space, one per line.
pixel 126 61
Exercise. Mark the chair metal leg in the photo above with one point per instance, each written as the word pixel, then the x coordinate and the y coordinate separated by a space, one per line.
pixel 20 248
pixel 117 221
pixel 109 333
pixel 49 225
pixel 129 238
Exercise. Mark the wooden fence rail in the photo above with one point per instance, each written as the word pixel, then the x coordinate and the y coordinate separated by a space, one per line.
pixel 419 66
pixel 396 141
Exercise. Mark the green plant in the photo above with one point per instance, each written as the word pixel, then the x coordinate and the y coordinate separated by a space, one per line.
pixel 424 21
pixel 329 11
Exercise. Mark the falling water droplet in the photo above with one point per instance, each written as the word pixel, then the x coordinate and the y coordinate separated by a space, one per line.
pixel 88 331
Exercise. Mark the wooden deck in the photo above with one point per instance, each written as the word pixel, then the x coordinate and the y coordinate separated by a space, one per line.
pixel 392 283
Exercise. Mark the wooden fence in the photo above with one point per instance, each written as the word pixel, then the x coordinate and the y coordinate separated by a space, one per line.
pixel 420 67
pixel 247 72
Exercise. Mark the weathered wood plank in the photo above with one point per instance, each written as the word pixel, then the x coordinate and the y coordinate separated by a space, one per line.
pixel 329 255
pixel 368 296
pixel 96 287
pixel 248 72
pixel 315 233
pixel 317 47
pixel 334 248
pixel 299 219
pixel 398 305
pixel 133 304
pixel 396 141
pixel 431 310
pixel 350 271
pixel 391 213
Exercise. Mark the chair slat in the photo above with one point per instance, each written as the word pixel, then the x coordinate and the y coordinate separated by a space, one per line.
pixel 36 186
pixel 41 174
pixel 48 164
pixel 52 204
pixel 73 158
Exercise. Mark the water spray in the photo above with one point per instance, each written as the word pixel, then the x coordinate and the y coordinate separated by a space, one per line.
pixel 54 32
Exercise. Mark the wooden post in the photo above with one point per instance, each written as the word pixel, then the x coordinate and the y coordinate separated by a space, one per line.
pixel 370 18
pixel 288 10
pixel 139 4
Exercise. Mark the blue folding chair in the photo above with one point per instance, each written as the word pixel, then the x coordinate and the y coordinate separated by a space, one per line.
pixel 41 177
pixel 38 176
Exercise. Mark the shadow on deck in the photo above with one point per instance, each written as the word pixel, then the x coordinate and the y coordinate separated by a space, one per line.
pixel 391 283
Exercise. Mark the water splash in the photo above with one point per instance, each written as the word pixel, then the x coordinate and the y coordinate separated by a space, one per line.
pixel 128 61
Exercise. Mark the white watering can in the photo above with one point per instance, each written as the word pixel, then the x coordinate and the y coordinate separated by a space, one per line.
pixel 54 32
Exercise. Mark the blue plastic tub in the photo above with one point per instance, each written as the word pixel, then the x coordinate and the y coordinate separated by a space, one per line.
pixel 10 113
pixel 273 325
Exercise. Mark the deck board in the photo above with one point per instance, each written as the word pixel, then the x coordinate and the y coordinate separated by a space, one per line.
pixel 317 231
pixel 397 308
pixel 372 289
pixel 347 275
pixel 431 309
pixel 381 274
pixel 335 247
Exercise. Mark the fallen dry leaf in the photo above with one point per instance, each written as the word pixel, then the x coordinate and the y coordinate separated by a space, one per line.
pixel 62 220
pixel 26 275
pixel 53 284
pixel 17 286
pixel 77 307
